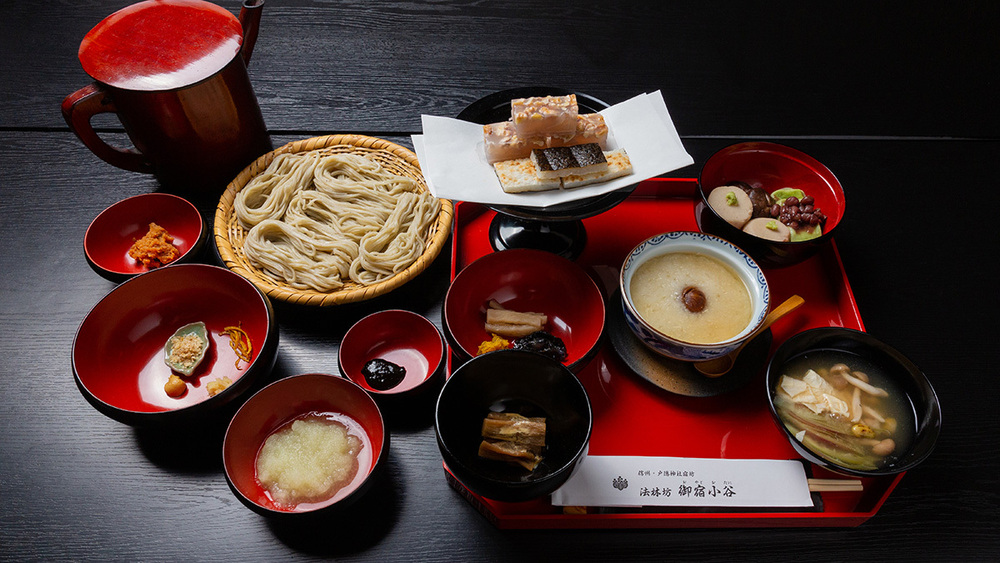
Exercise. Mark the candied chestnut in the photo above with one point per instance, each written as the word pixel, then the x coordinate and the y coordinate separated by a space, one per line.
pixel 694 299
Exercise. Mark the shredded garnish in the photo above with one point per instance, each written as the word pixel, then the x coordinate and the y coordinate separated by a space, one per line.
pixel 239 340
pixel 496 343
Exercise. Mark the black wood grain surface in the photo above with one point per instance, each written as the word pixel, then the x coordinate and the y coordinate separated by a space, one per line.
pixel 897 99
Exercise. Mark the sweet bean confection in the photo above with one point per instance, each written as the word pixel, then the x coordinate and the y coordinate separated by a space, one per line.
pixel 503 143
pixel 544 115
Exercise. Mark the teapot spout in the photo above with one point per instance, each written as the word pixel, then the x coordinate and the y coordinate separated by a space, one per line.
pixel 250 21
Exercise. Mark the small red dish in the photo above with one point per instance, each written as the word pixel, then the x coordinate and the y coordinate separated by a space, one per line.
pixel 112 233
pixel 279 404
pixel 118 352
pixel 526 280
pixel 401 337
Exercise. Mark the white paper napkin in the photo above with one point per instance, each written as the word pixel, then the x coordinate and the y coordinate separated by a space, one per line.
pixel 453 158
pixel 636 481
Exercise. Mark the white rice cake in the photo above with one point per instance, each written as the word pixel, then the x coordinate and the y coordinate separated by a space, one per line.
pixel 618 165
pixel 520 175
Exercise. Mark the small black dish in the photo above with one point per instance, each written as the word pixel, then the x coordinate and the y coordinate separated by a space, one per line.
pixel 558 228
pixel 521 382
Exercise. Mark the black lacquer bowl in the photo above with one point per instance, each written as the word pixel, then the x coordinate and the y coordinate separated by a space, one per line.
pixel 525 383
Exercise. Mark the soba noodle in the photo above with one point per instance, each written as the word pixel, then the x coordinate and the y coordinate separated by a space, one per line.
pixel 319 221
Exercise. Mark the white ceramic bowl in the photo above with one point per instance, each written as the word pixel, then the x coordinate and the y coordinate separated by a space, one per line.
pixel 699 243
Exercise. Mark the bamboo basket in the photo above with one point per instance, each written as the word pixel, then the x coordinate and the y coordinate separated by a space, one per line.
pixel 229 234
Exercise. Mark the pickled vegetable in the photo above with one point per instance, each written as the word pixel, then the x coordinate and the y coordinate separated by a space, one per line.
pixel 383 375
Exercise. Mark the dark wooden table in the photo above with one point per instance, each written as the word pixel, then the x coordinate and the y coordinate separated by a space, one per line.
pixel 898 100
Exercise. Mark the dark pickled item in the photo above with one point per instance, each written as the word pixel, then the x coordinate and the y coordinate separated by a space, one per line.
pixel 760 199
pixel 383 375
pixel 761 202
pixel 543 343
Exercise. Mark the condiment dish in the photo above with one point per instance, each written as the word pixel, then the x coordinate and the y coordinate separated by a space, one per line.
pixel 747 271
pixel 111 234
pixel 526 280
pixel 279 404
pixel 770 166
pixel 405 339
pixel 513 382
pixel 854 347
pixel 118 353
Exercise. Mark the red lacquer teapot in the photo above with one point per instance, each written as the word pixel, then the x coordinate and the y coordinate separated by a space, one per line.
pixel 175 73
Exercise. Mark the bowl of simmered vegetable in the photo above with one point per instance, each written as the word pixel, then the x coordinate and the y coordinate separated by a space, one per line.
pixel 851 403
pixel 778 204
pixel 512 425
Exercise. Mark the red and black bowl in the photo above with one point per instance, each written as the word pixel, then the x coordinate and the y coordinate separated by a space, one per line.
pixel 526 280
pixel 401 338
pixel 279 404
pixel 118 353
pixel 770 166
pixel 112 233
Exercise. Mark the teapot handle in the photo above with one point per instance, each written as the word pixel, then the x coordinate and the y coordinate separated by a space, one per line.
pixel 79 108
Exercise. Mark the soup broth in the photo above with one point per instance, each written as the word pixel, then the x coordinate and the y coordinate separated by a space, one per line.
pixel 862 426
pixel 658 287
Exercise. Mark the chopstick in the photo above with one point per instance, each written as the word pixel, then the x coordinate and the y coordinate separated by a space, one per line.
pixel 829 485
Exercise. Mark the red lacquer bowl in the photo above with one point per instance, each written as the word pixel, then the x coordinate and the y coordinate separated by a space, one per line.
pixel 118 353
pixel 111 234
pixel 401 337
pixel 528 281
pixel 770 166
pixel 276 406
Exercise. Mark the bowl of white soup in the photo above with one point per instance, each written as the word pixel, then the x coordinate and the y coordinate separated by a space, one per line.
pixel 692 296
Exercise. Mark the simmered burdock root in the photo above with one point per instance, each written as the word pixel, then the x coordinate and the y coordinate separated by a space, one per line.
pixel 732 204
pixel 510 451
pixel 513 438
pixel 513 427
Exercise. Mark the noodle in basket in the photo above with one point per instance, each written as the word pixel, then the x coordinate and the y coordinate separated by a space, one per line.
pixel 320 221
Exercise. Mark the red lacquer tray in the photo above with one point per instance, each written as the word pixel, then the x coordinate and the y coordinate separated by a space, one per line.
pixel 634 417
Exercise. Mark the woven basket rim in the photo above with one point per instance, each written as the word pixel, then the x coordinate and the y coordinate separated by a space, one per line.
pixel 351 293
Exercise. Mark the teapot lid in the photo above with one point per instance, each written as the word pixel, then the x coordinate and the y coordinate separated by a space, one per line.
pixel 161 44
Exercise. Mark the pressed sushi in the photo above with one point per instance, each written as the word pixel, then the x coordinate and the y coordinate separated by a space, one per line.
pixel 520 175
pixel 618 165
pixel 558 162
